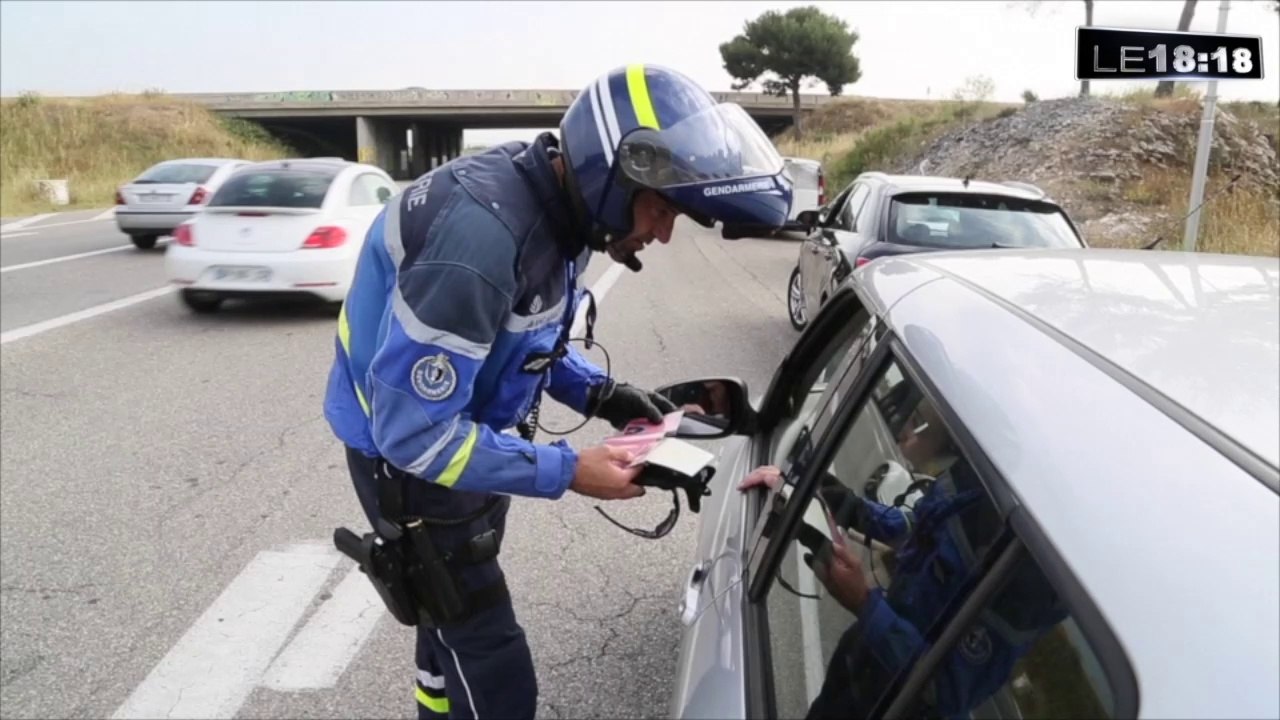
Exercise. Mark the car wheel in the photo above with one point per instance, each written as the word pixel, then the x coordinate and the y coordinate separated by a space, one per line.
pixel 144 242
pixel 202 302
pixel 795 302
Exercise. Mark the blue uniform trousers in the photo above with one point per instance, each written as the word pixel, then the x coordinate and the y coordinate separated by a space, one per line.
pixel 481 667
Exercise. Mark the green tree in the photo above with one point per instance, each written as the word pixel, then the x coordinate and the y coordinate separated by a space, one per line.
pixel 802 45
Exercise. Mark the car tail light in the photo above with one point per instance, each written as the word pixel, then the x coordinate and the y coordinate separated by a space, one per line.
pixel 326 237
pixel 860 262
pixel 199 196
pixel 822 189
pixel 120 198
pixel 182 235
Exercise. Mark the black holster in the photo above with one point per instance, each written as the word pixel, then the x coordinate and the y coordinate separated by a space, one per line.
pixel 414 579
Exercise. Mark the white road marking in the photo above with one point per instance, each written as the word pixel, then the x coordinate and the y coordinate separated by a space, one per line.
pixel 64 258
pixel 212 669
pixel 27 331
pixel 106 214
pixel 599 290
pixel 16 234
pixel 19 224
pixel 64 224
pixel 330 640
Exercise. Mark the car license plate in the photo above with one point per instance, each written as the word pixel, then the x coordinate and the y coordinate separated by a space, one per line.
pixel 231 273
pixel 155 198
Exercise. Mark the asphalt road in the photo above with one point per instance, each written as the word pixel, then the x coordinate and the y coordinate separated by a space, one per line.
pixel 169 487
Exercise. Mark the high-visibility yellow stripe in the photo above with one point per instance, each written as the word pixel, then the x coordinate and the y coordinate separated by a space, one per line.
pixel 459 461
pixel 639 90
pixel 344 329
pixel 344 336
pixel 435 705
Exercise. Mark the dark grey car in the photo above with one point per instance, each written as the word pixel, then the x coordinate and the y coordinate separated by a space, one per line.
pixel 1014 484
pixel 879 215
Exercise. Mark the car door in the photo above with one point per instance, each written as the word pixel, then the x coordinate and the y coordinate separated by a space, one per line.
pixel 811 251
pixel 944 602
pixel 710 680
pixel 828 258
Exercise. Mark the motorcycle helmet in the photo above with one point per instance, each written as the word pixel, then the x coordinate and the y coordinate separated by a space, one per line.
pixel 648 127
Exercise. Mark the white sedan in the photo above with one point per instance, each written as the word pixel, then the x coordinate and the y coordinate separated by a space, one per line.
pixel 276 228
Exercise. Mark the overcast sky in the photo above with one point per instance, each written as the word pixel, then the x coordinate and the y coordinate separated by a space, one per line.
pixel 907 49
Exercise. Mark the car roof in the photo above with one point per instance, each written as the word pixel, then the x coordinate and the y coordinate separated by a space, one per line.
pixel 935 183
pixel 802 161
pixel 1130 400
pixel 332 164
pixel 1201 330
pixel 200 161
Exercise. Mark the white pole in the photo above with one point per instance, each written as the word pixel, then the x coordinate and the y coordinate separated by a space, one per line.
pixel 1202 149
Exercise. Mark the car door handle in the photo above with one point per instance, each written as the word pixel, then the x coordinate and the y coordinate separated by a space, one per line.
pixel 689 606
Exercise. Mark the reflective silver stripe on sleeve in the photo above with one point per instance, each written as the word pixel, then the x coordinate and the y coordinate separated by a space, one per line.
pixel 413 327
pixel 422 333
pixel 419 466
pixel 391 230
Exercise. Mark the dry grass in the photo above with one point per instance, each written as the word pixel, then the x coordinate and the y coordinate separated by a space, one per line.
pixel 1238 221
pixel 100 143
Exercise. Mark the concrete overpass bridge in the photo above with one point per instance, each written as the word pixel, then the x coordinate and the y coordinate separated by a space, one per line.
pixel 407 132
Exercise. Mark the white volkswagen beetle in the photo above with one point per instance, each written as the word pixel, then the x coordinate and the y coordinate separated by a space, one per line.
pixel 276 228
pixel 1011 484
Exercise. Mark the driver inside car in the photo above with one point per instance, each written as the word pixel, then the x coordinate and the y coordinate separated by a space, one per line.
pixel 938 545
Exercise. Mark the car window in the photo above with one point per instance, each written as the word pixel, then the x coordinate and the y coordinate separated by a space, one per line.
pixel 274 188
pixel 369 189
pixel 837 206
pixel 814 386
pixel 1036 661
pixel 970 220
pixel 176 173
pixel 916 525
pixel 849 213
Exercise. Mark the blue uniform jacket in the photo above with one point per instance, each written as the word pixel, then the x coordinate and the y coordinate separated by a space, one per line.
pixel 462 276
pixel 936 555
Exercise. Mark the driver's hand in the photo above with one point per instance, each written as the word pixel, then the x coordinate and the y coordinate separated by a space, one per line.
pixel 840 571
pixel 767 475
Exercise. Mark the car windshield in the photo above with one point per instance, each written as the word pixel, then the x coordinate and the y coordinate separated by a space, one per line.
pixel 274 188
pixel 970 220
pixel 176 174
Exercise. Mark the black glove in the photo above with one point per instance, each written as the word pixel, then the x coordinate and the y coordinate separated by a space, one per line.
pixel 620 403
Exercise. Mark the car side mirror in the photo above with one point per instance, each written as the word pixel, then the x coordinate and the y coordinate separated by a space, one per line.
pixel 808 218
pixel 713 407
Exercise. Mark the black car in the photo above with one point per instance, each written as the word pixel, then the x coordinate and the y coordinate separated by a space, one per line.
pixel 880 214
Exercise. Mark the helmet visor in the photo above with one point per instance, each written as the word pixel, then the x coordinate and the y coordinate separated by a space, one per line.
pixel 715 145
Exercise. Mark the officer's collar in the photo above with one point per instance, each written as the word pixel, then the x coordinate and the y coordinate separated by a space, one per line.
pixel 535 163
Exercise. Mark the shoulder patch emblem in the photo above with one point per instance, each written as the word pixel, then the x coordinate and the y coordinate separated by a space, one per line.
pixel 536 305
pixel 975 646
pixel 434 377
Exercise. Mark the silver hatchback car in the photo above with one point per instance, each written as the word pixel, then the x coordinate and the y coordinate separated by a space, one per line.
pixel 167 194
pixel 1010 484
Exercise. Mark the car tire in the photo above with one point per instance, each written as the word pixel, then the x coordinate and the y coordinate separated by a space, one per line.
pixel 202 302
pixel 795 302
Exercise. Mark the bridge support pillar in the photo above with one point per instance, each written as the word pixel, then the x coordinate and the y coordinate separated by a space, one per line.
pixel 380 142
pixel 434 145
